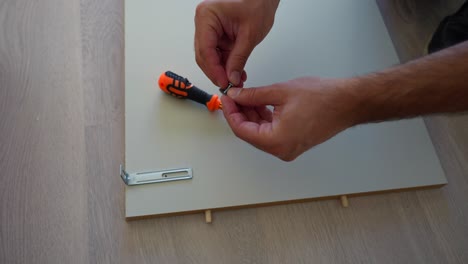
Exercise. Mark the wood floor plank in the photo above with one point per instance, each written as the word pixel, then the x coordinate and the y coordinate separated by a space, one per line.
pixel 103 83
pixel 103 60
pixel 106 224
pixel 43 190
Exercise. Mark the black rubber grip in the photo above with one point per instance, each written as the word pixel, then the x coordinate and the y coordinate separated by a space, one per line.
pixel 183 85
pixel 198 95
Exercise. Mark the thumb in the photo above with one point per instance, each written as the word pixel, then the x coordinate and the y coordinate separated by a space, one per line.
pixel 238 58
pixel 266 95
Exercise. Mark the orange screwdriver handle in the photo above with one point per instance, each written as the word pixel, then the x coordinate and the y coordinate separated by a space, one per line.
pixel 181 88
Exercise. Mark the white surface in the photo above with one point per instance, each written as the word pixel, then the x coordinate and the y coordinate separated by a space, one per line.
pixel 325 38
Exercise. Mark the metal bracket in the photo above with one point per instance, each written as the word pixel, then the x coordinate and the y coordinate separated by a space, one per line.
pixel 155 176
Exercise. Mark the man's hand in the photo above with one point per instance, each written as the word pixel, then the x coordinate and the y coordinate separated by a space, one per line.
pixel 307 112
pixel 226 32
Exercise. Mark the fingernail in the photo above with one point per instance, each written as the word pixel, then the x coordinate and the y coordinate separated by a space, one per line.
pixel 233 92
pixel 235 77
pixel 219 83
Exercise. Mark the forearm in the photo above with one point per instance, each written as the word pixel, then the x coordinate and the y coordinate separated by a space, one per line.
pixel 433 84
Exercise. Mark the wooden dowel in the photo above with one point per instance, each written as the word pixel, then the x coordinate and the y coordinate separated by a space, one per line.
pixel 344 201
pixel 208 216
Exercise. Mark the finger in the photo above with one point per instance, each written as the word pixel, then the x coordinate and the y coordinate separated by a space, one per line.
pixel 230 107
pixel 244 76
pixel 206 54
pixel 238 58
pixel 251 114
pixel 224 54
pixel 260 96
pixel 264 113
pixel 259 135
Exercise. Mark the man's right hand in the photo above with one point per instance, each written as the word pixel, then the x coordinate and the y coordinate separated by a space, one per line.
pixel 307 111
pixel 226 32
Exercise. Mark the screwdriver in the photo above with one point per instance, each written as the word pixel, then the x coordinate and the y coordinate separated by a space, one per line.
pixel 181 88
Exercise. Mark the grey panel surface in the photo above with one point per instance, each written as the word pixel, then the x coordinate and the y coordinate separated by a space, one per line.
pixel 327 38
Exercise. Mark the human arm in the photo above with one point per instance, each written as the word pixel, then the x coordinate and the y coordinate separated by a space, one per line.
pixel 437 83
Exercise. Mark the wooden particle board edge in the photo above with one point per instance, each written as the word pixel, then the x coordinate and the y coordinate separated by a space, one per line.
pixel 211 210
